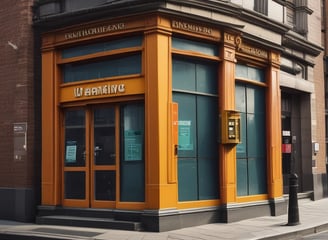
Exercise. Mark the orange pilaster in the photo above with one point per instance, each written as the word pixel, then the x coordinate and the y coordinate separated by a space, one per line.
pixel 161 191
pixel 227 102
pixel 50 117
pixel 274 129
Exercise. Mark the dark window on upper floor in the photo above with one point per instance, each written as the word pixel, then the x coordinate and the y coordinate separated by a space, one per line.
pixel 296 15
pixel 261 6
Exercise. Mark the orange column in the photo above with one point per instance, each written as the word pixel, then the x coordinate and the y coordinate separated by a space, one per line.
pixel 161 189
pixel 50 169
pixel 227 102
pixel 274 129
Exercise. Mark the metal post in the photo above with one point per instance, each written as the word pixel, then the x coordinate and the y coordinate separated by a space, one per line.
pixel 293 214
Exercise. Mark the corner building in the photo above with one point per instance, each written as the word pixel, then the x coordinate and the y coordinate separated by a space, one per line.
pixel 165 113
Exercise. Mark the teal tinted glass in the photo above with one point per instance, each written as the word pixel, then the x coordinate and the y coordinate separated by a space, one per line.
pixel 242 177
pixel 256 135
pixel 251 73
pixel 102 47
pixel 195 76
pixel 195 90
pixel 187 179
pixel 132 167
pixel 251 152
pixel 207 130
pixel 108 68
pixel 189 45
pixel 187 124
pixel 184 75
pixel 242 146
pixel 206 76
pixel 255 100
pixel 257 176
pixel 208 174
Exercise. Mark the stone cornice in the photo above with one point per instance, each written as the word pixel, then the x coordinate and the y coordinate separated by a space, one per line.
pixel 298 43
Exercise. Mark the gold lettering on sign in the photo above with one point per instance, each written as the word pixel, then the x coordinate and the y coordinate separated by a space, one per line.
pixel 94 31
pixel 99 90
pixel 191 27
pixel 254 51
pixel 229 38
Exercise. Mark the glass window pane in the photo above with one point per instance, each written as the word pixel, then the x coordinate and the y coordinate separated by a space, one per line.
pixel 187 178
pixel 242 177
pixel 251 152
pixel 184 76
pixel 74 138
pixel 201 47
pixel 242 146
pixel 186 125
pixel 207 121
pixel 197 129
pixel 255 100
pixel 108 68
pixel 208 172
pixel 74 185
pixel 105 185
pixel 241 71
pixel 132 173
pixel 240 98
pixel 104 136
pixel 251 73
pixel 256 74
pixel 206 75
pixel 102 47
pixel 256 135
pixel 257 176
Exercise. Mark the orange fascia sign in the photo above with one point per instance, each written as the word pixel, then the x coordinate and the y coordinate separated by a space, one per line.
pixel 100 89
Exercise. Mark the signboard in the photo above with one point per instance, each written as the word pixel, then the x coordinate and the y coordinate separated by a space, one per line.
pixel 286 148
pixel 70 156
pixel 133 145
pixel 185 140
pixel 20 141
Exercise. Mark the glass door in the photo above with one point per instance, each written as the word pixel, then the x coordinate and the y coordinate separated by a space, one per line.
pixel 103 155
pixel 89 176
pixel 75 164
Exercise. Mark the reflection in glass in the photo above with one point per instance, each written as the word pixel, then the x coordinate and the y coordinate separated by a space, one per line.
pixel 105 185
pixel 75 138
pixel 104 136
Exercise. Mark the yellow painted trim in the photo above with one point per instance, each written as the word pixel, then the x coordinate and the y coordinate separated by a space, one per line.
pixel 252 198
pixel 195 54
pixel 98 55
pixel 248 81
pixel 198 204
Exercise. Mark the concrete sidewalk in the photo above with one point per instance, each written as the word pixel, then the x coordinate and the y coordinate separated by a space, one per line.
pixel 313 218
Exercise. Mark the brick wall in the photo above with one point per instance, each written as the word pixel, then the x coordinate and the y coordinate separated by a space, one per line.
pixel 318 98
pixel 17 91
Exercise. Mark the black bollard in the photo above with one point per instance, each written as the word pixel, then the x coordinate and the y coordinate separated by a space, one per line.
pixel 293 215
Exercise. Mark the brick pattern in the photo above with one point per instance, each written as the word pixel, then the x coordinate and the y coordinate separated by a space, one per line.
pixel 17 92
pixel 318 102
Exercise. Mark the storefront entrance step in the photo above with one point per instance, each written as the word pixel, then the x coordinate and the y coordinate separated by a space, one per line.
pixel 78 221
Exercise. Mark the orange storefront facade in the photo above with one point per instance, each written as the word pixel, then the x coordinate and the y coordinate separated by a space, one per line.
pixel 134 121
